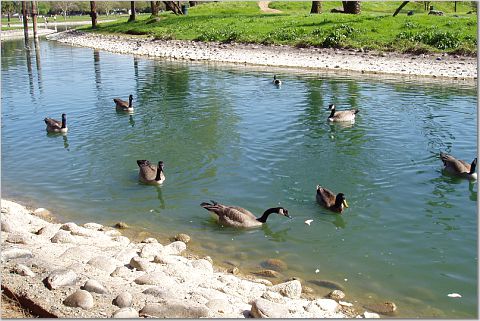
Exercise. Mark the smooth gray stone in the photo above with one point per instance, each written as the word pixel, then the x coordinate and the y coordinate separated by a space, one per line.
pixel 262 308
pixel 94 286
pixel 125 313
pixel 123 300
pixel 59 278
pixel 81 299
pixel 175 309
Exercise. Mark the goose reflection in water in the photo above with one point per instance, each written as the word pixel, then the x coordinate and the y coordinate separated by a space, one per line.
pixel 160 197
pixel 66 145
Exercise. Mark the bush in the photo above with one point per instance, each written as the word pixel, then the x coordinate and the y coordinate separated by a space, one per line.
pixel 219 35
pixel 439 39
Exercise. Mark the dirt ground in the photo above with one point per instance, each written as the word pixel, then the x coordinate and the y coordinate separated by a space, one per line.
pixel 264 7
pixel 11 309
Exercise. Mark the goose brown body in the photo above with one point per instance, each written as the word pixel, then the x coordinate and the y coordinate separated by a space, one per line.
pixel 56 126
pixel 123 105
pixel 150 173
pixel 239 217
pixel 342 115
pixel 329 200
pixel 459 167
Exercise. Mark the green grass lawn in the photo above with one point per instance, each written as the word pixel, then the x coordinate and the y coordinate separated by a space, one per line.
pixel 374 28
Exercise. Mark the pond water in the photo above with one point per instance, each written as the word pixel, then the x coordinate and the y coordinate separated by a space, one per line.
pixel 227 134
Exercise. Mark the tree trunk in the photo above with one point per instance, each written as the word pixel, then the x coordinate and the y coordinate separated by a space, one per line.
pixel 132 9
pixel 34 19
pixel 173 6
pixel 25 22
pixel 192 3
pixel 404 3
pixel 93 14
pixel 154 8
pixel 351 7
pixel 316 7
pixel 8 18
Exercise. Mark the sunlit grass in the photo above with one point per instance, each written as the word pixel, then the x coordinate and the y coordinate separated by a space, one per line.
pixel 374 28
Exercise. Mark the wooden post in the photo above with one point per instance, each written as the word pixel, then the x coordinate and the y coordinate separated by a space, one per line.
pixel 34 19
pixel 25 22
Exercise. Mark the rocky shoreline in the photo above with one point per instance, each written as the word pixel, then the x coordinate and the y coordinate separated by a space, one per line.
pixel 433 65
pixel 92 271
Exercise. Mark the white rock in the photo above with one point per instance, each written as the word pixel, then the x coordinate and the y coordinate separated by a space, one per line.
pixel 141 264
pixel 126 313
pixel 15 253
pixel 63 237
pixel 203 265
pixel 262 308
pixel 23 270
pixel 93 226
pixel 291 289
pixel 94 286
pixel 150 250
pixel 104 263
pixel 61 277
pixel 175 248
pixel 370 315
pixel 328 305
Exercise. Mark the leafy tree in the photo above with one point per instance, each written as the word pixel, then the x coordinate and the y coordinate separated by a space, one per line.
pixel 10 7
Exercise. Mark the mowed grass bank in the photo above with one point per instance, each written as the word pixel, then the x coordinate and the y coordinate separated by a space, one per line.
pixel 373 29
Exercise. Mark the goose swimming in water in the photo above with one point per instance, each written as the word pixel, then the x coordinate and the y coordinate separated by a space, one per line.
pixel 276 81
pixel 55 126
pixel 342 115
pixel 331 201
pixel 239 217
pixel 123 105
pixel 459 167
pixel 150 174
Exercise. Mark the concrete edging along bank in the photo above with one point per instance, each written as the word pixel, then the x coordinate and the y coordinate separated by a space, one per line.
pixel 440 66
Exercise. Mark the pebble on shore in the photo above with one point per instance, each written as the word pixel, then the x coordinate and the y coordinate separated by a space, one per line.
pixel 93 275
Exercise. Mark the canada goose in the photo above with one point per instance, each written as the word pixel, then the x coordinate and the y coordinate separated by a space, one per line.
pixel 55 126
pixel 239 217
pixel 123 105
pixel 276 81
pixel 150 174
pixel 341 115
pixel 459 167
pixel 331 201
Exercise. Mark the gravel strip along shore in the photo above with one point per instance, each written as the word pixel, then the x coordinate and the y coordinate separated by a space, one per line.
pixel 438 65
pixel 92 271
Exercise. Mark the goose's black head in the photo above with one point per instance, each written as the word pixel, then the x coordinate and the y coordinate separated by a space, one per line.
pixel 160 165
pixel 331 107
pixel 282 211
pixel 340 200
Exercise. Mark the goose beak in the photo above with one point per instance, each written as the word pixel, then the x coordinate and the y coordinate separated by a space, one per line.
pixel 345 203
